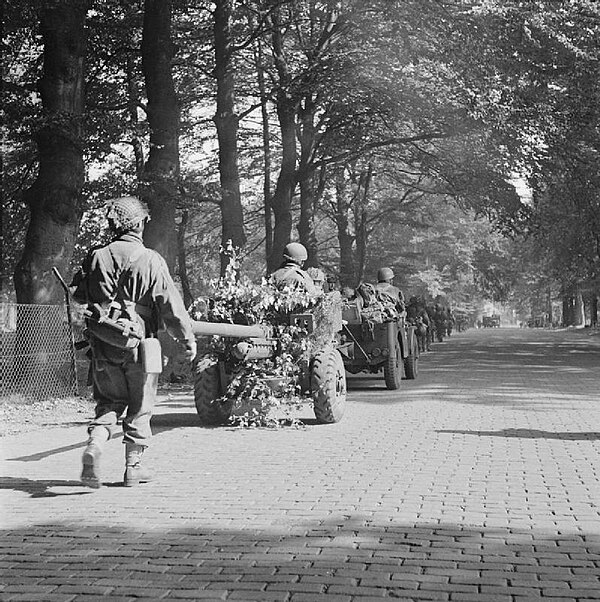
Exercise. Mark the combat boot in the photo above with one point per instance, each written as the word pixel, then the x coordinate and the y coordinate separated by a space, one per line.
pixel 135 473
pixel 90 474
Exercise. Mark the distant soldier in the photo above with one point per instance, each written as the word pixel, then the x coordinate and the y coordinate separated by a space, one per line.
pixel 417 315
pixel 385 277
pixel 439 319
pixel 291 274
pixel 450 321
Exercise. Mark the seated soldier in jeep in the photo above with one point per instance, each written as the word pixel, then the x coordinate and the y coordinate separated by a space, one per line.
pixel 385 277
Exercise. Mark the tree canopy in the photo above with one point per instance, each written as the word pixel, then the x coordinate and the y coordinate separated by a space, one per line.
pixel 385 131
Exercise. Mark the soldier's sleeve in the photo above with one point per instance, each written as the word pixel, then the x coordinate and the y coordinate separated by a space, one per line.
pixel 79 281
pixel 171 308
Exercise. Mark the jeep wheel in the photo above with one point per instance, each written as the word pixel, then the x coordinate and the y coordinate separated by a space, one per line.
pixel 207 388
pixel 411 363
pixel 328 386
pixel 392 370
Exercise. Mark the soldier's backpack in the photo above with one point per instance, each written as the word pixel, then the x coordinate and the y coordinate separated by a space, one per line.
pixel 117 322
pixel 367 293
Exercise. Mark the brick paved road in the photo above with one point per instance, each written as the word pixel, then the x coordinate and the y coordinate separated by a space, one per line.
pixel 479 481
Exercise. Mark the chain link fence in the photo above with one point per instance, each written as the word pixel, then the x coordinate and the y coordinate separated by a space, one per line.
pixel 37 351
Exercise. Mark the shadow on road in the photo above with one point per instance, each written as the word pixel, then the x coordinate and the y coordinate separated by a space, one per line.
pixel 165 421
pixel 42 488
pixel 347 555
pixel 529 434
pixel 57 450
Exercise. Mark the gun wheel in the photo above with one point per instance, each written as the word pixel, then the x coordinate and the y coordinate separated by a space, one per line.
pixel 411 363
pixel 328 385
pixel 207 389
pixel 392 370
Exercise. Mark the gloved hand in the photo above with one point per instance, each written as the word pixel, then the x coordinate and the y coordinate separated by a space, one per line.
pixel 191 349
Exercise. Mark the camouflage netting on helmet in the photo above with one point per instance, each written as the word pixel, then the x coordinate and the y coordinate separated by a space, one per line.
pixel 126 212
pixel 264 392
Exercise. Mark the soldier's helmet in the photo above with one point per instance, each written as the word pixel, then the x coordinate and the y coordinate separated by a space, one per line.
pixel 384 274
pixel 126 212
pixel 296 252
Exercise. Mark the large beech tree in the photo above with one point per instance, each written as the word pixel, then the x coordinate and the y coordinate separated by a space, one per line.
pixel 226 121
pixel 286 105
pixel 54 199
pixel 160 177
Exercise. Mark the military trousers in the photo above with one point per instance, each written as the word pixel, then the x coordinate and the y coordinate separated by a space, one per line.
pixel 122 388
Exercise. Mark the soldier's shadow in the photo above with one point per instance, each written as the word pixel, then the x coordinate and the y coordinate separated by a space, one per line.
pixel 42 488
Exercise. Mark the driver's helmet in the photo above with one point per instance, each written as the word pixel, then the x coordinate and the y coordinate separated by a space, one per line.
pixel 384 274
pixel 296 252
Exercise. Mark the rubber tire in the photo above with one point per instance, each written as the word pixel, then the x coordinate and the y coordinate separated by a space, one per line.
pixel 207 388
pixel 328 386
pixel 392 370
pixel 411 363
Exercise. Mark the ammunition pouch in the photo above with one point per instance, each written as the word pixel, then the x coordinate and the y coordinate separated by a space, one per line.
pixel 117 325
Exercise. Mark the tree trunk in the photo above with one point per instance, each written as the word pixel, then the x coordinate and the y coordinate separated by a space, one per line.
pixel 54 199
pixel 306 178
pixel 566 317
pixel 159 186
pixel 188 297
pixel 266 135
pixel 281 202
pixel 133 100
pixel 306 224
pixel 360 227
pixel 226 121
pixel 345 238
pixel 361 199
pixel 2 264
pixel 579 309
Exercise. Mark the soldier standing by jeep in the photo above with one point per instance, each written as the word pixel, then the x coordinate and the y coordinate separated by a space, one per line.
pixel 125 274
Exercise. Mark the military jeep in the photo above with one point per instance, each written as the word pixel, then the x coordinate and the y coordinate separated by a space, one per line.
pixel 374 343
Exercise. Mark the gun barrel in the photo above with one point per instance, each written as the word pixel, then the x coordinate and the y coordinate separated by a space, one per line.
pixel 237 331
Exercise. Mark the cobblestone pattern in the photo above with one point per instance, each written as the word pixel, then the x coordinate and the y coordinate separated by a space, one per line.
pixel 476 482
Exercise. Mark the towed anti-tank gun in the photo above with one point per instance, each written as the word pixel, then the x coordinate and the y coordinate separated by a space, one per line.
pixel 320 370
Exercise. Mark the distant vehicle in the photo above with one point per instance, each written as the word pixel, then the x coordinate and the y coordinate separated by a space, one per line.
pixel 538 321
pixel 492 321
